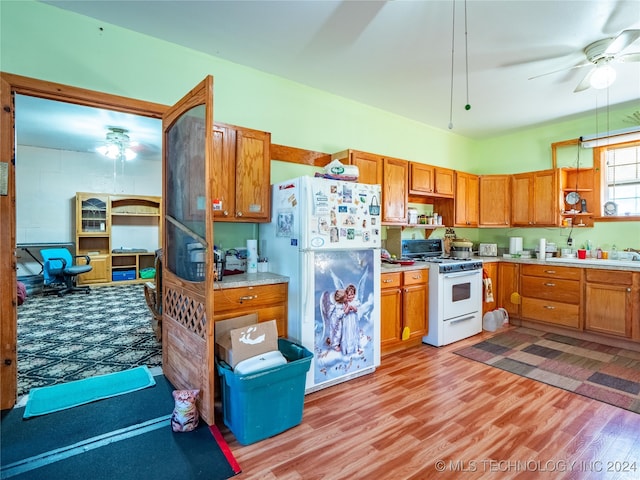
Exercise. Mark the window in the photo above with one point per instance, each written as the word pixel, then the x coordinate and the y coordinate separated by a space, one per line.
pixel 620 171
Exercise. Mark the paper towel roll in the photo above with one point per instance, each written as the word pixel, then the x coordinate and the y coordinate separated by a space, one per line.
pixel 252 256
pixel 542 248
pixel 515 245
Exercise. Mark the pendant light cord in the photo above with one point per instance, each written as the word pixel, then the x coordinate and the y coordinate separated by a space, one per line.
pixel 466 53
pixel 453 38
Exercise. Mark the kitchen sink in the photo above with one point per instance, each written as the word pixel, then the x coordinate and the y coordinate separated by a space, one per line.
pixel 595 261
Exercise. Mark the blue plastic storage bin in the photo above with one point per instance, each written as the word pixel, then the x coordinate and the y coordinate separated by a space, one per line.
pixel 260 405
pixel 120 275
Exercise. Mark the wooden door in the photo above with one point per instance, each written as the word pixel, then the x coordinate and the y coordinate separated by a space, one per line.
pixel 8 292
pixel 394 190
pixel 492 271
pixel 495 200
pixel 187 339
pixel 252 175
pixel 521 203
pixel 416 309
pixel 508 288
pixel 369 167
pixel 545 195
pixel 421 179
pixel 444 182
pixel 223 182
pixel 390 317
pixel 466 200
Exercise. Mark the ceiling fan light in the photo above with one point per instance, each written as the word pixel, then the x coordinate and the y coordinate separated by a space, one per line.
pixel 129 154
pixel 603 77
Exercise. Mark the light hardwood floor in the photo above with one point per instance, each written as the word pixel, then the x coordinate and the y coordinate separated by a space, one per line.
pixel 429 413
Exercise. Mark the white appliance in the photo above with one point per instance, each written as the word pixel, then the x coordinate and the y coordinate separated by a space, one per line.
pixel 455 292
pixel 325 236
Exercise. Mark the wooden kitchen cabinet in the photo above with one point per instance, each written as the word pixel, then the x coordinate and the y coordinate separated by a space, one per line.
pixel 492 272
pixel 269 302
pixel 395 191
pixel 240 178
pixel 495 200
pixel 404 309
pixel 509 288
pixel 534 199
pixel 466 200
pixel 551 294
pixel 430 180
pixel 608 301
pixel 369 165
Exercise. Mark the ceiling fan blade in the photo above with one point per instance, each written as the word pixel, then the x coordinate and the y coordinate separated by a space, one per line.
pixel 622 41
pixel 586 82
pixel 629 57
pixel 580 65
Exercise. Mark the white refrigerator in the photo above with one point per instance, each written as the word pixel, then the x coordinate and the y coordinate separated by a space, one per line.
pixel 325 236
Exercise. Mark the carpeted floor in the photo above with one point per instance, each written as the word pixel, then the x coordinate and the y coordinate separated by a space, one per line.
pixel 601 372
pixel 127 436
pixel 79 336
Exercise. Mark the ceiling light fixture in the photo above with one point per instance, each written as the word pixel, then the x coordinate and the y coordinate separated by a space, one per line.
pixel 118 145
pixel 603 75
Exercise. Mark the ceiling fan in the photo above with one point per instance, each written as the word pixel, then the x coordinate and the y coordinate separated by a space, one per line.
pixel 600 55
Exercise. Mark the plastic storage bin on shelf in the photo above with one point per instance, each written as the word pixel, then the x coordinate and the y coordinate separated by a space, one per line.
pixel 120 275
pixel 260 405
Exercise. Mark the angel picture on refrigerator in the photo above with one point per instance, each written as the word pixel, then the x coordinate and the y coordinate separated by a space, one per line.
pixel 343 327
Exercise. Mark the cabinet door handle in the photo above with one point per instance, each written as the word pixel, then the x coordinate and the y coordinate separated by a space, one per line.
pixel 387 280
pixel 226 213
pixel 248 297
pixel 549 307
pixel 628 289
pixel 549 284
pixel 550 271
pixel 238 214
pixel 416 277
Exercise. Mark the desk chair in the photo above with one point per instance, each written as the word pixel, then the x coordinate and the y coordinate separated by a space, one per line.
pixel 60 273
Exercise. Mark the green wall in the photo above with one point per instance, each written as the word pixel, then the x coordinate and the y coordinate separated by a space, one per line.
pixel 40 41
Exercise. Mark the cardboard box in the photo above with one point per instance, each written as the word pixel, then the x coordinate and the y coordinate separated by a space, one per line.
pixel 243 337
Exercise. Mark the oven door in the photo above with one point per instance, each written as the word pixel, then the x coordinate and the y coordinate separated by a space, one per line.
pixel 461 293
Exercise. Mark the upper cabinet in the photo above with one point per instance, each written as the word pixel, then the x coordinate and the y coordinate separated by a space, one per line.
pixel 495 200
pixel 429 180
pixel 534 199
pixel 466 200
pixel 242 162
pixel 369 165
pixel 394 191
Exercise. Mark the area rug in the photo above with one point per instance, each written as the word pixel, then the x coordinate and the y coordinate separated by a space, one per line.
pixel 45 400
pixel 601 372
pixel 127 436
pixel 62 339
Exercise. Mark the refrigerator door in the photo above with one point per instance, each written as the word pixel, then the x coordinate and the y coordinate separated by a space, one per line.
pixel 340 321
pixel 339 215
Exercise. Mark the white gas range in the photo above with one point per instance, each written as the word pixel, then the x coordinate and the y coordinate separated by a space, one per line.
pixel 455 292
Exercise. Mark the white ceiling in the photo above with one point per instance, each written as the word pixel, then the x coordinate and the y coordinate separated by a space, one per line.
pixel 397 55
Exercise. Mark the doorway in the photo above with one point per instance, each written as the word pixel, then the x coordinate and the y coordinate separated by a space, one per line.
pixel 13 85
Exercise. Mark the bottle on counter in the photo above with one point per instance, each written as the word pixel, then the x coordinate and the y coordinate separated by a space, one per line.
pixel 614 252
pixel 599 253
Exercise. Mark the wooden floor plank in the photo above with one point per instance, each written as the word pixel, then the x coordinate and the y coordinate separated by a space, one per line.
pixel 427 405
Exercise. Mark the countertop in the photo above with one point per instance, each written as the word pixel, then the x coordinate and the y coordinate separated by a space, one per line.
pixel 268 278
pixel 630 266
pixel 249 280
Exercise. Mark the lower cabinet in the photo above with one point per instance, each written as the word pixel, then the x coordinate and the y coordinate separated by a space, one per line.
pixel 491 268
pixel 100 272
pixel 608 302
pixel 551 294
pixel 268 301
pixel 404 312
pixel 508 288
